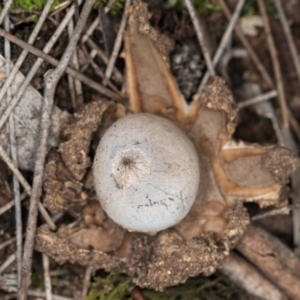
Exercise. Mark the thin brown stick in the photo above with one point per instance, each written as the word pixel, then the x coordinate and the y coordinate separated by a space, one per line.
pixel 118 43
pixel 5 10
pixel 10 204
pixel 74 85
pixel 227 34
pixel 33 293
pixel 13 150
pixel 277 262
pixel 276 65
pixel 54 62
pixel 257 62
pixel 289 36
pixel 24 53
pixel 99 71
pixel 89 82
pixel 87 281
pixel 250 279
pixel 25 185
pixel 7 243
pixel 51 79
pixel 260 98
pixel 47 278
pixel 37 64
pixel 9 260
pixel 117 74
pixel 200 36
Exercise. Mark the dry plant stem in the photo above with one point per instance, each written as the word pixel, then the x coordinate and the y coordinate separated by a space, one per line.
pixel 228 55
pixel 224 41
pixel 25 185
pixel 47 278
pixel 200 36
pixel 118 43
pixel 289 37
pixel 260 98
pixel 90 30
pixel 24 52
pixel 8 262
pixel 10 204
pixel 277 262
pixel 117 74
pixel 257 62
pixel 51 79
pixel 74 85
pixel 92 84
pixel 35 67
pixel 5 10
pixel 7 243
pixel 100 73
pixel 276 65
pixel 13 150
pixel 279 211
pixel 109 5
pixel 249 278
pixel 87 281
pixel 33 293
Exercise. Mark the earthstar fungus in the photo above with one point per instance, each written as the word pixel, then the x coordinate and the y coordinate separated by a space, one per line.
pixel 231 173
pixel 142 180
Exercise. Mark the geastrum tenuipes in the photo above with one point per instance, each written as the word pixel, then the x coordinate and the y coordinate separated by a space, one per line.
pixel 230 173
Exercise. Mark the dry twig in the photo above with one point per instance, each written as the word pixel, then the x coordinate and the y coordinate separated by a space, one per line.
pixel 92 84
pixel 200 36
pixel 257 99
pixel 227 34
pixel 5 10
pixel 277 262
pixel 289 37
pixel 24 52
pixel 13 151
pixel 74 85
pixel 118 43
pixel 276 65
pixel 257 62
pixel 47 278
pixel 51 80
pixel 247 277
pixel 87 281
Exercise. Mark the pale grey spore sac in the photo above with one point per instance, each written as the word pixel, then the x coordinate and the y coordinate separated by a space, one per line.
pixel 146 173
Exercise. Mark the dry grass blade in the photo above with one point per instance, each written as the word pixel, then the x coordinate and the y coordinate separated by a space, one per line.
pixel 226 36
pixel 118 43
pixel 289 37
pixel 256 60
pixel 51 80
pixel 200 36
pixel 24 52
pixel 92 84
pixel 258 99
pixel 276 65
pixel 47 278
pixel 13 150
pixel 5 10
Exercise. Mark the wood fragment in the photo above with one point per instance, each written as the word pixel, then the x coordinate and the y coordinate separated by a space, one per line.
pixel 275 260
pixel 246 276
